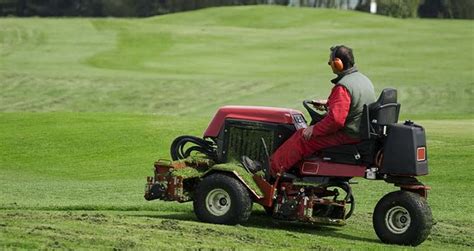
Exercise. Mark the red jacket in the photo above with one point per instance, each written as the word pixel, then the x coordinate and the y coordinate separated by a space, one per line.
pixel 338 105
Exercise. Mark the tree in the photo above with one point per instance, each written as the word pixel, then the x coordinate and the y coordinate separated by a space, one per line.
pixel 394 8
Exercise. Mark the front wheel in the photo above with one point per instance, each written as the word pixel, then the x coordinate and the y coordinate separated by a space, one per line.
pixel 222 199
pixel 402 218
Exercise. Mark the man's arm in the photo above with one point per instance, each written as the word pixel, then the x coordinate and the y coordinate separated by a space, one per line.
pixel 339 103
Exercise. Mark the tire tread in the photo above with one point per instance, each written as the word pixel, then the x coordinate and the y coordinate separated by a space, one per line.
pixel 420 213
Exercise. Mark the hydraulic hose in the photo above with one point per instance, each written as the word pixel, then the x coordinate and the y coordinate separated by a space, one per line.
pixel 206 147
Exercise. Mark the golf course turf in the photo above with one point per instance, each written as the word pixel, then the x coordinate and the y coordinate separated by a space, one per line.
pixel 87 105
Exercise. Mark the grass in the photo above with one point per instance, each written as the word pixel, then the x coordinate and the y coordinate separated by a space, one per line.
pixel 256 53
pixel 76 180
pixel 87 106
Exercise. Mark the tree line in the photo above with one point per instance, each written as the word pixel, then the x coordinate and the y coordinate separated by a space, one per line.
pixel 463 9
pixel 143 8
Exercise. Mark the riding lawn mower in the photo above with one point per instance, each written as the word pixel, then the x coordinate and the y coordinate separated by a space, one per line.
pixel 317 190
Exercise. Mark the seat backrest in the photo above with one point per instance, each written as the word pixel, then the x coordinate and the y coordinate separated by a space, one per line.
pixel 385 110
pixel 382 112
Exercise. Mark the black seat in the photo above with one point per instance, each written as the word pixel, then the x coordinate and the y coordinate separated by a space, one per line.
pixel 375 118
pixel 381 113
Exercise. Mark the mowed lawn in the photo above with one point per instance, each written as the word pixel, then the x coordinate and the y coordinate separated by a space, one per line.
pixel 87 106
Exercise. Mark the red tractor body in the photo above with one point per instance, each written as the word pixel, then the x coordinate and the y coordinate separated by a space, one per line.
pixel 253 113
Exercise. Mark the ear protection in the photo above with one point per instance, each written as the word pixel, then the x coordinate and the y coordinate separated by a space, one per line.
pixel 336 63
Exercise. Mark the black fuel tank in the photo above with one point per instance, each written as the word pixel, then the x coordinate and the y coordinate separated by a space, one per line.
pixel 405 151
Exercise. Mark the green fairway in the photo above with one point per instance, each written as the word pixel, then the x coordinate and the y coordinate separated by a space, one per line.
pixel 77 179
pixel 191 62
pixel 87 106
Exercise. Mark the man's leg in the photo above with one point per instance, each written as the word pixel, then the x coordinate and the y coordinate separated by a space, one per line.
pixel 296 148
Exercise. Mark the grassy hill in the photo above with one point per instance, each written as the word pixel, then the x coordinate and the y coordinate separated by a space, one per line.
pixel 256 54
pixel 87 105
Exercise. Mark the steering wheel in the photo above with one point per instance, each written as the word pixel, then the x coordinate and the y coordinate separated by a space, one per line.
pixel 315 116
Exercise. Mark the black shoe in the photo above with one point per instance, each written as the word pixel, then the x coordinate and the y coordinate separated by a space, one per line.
pixel 252 166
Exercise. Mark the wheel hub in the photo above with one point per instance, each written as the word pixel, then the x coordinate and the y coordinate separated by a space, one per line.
pixel 397 220
pixel 223 201
pixel 403 219
pixel 218 202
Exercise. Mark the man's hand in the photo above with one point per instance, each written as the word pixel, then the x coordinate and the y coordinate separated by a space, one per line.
pixel 320 104
pixel 308 132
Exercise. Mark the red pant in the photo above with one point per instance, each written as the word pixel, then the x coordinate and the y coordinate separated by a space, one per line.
pixel 296 148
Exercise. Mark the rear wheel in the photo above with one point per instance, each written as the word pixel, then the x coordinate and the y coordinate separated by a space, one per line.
pixel 403 218
pixel 222 199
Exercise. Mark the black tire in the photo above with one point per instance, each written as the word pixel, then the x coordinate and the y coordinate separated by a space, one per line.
pixel 402 218
pixel 222 199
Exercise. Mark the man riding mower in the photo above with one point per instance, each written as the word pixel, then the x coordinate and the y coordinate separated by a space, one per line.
pixel 308 176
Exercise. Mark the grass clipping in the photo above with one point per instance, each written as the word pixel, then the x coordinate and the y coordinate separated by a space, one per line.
pixel 188 173
pixel 195 169
pixel 238 169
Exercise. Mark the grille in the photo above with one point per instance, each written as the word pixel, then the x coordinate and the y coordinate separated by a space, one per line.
pixel 248 141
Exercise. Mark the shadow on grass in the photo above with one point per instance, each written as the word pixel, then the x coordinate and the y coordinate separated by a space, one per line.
pixel 150 207
pixel 259 219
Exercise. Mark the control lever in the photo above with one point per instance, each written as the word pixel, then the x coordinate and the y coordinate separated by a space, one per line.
pixel 266 167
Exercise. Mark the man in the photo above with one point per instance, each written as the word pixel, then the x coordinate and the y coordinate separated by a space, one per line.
pixel 341 123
